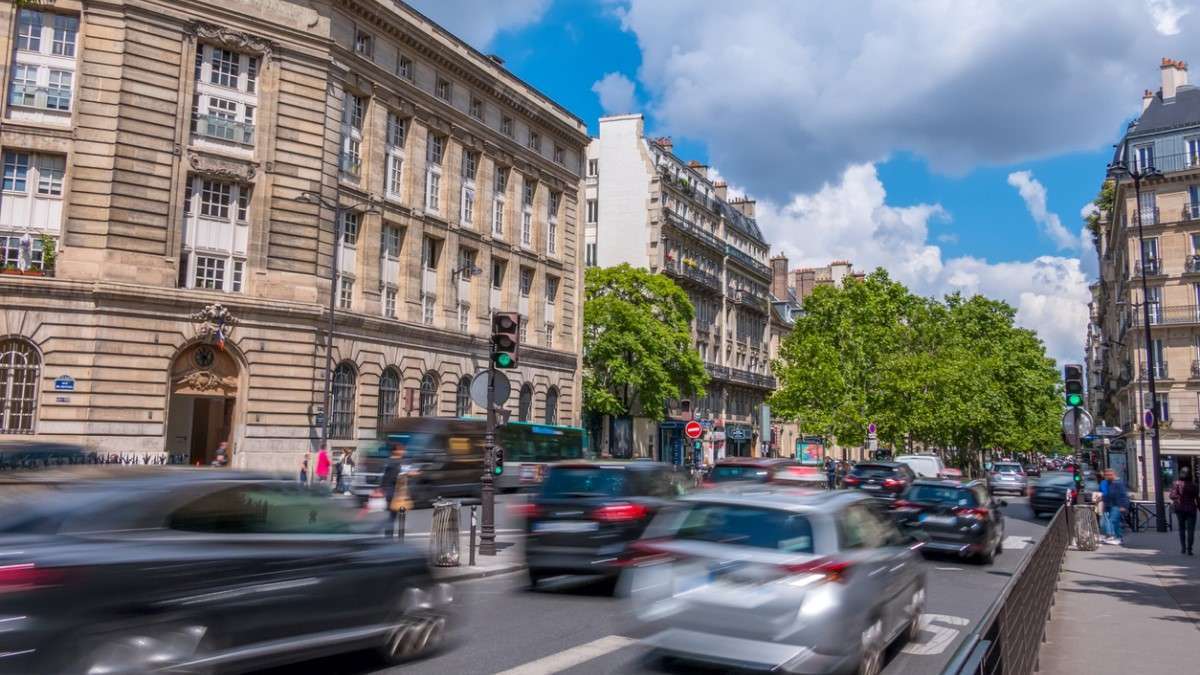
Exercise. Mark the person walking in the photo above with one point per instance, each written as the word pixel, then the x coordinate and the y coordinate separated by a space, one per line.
pixel 222 459
pixel 304 470
pixel 1185 499
pixel 1116 502
pixel 830 473
pixel 323 465
pixel 394 483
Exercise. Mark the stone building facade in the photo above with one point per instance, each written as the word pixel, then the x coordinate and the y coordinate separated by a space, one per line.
pixel 173 172
pixel 647 207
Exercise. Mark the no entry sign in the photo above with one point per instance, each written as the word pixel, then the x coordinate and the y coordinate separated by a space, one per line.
pixel 693 429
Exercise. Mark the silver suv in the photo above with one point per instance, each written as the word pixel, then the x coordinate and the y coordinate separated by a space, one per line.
pixel 778 579
pixel 1008 477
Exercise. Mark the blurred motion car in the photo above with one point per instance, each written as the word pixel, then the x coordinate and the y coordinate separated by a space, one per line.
pixel 924 466
pixel 586 513
pixel 1007 477
pixel 772 578
pixel 760 470
pixel 950 473
pixel 200 570
pixel 1055 488
pixel 960 518
pixel 882 480
pixel 1033 470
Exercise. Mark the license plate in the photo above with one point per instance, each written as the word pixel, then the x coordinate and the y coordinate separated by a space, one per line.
pixel 871 487
pixel 936 520
pixel 566 526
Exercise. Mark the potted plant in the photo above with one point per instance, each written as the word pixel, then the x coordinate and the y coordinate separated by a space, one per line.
pixel 49 254
pixel 10 269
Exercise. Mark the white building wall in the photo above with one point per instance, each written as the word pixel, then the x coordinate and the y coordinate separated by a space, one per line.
pixel 624 190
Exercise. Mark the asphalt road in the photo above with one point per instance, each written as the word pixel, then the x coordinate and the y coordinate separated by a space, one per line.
pixel 575 629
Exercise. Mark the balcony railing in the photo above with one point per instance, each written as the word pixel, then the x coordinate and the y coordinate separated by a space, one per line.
pixel 1160 372
pixel 1164 316
pixel 1152 267
pixel 1180 161
pixel 44 98
pixel 351 166
pixel 717 372
pixel 224 129
pixel 1192 264
pixel 688 227
pixel 747 261
pixel 1191 212
pixel 738 375
pixel 683 271
pixel 1195 369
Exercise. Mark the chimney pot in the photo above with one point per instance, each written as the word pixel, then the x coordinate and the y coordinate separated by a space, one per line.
pixel 1174 75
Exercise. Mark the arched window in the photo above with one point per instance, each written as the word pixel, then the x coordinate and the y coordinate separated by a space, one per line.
pixel 429 395
pixel 341 414
pixel 525 404
pixel 389 395
pixel 462 400
pixel 552 406
pixel 20 372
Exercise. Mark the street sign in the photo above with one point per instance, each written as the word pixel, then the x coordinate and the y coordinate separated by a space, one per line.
pixel 871 429
pixel 64 383
pixel 479 387
pixel 693 429
pixel 1069 422
pixel 737 433
pixel 1108 431
pixel 707 424
pixel 1148 419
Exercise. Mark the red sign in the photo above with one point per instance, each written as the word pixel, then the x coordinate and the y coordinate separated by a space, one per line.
pixel 693 429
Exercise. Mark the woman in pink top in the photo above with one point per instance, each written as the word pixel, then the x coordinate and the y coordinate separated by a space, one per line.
pixel 323 465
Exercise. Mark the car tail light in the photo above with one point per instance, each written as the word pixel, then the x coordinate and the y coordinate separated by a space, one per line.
pixel 526 510
pixel 26 576
pixel 617 513
pixel 978 514
pixel 851 480
pixel 892 482
pixel 904 504
pixel 643 553
pixel 831 570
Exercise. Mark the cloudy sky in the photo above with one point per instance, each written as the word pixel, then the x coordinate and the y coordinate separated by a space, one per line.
pixel 954 143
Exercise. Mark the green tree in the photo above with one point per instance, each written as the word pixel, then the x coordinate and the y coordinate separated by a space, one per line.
pixel 637 343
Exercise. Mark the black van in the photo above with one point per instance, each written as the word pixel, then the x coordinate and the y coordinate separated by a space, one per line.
pixel 447 451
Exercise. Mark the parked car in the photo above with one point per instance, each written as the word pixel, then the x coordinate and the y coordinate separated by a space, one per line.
pixel 1007 477
pixel 883 480
pixel 1033 470
pixel 960 518
pixel 924 466
pixel 951 473
pixel 773 578
pixel 586 513
pixel 184 570
pixel 760 470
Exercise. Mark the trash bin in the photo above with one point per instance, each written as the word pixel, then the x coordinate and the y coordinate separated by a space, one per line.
pixel 443 539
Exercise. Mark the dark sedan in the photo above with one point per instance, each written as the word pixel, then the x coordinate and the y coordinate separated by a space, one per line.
pixel 1055 487
pixel 586 513
pixel 882 480
pixel 755 469
pixel 959 518
pixel 192 570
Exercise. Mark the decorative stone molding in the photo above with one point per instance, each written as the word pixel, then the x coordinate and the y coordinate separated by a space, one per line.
pixel 232 39
pixel 217 167
pixel 213 320
pixel 204 382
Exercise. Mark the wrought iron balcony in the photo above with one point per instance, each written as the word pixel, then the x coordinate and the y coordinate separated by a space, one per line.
pixel 224 129
pixel 747 261
pixel 691 229
pixel 681 270
pixel 44 98
pixel 1191 212
pixel 1191 264
pixel 1152 267
pixel 1160 372
pixel 1166 316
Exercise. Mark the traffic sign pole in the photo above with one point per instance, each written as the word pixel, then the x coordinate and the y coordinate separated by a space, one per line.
pixel 487 534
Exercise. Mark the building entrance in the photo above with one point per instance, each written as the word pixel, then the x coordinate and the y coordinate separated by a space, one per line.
pixel 203 401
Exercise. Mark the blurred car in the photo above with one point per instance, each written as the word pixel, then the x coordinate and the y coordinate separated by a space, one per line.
pixel 772 578
pixel 1033 470
pixel 1053 489
pixel 883 480
pixel 1007 477
pixel 760 470
pixel 187 570
pixel 924 466
pixel 951 473
pixel 586 513
pixel 958 517
pixel 802 476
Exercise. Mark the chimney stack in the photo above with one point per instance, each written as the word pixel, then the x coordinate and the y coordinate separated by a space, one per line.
pixel 1174 75
pixel 1147 97
pixel 665 143
pixel 745 205
pixel 721 189
pixel 779 276
pixel 698 168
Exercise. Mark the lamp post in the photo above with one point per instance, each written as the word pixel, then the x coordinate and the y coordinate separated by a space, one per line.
pixel 338 210
pixel 1138 174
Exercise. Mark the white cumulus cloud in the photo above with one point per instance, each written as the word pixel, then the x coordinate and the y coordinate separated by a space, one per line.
pixel 616 94
pixel 479 21
pixel 1033 193
pixel 1166 15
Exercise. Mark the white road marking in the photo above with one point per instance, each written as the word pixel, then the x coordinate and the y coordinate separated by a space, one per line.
pixel 1014 543
pixel 949 569
pixel 941 636
pixel 572 657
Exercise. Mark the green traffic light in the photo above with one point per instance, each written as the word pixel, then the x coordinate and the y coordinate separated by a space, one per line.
pixel 1074 400
pixel 498 470
pixel 504 360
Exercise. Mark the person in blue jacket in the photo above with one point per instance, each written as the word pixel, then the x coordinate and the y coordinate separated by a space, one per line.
pixel 1116 503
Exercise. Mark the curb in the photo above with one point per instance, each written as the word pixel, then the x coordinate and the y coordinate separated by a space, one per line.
pixel 477 574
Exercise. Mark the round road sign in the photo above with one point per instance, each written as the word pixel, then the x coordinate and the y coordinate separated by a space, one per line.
pixel 871 428
pixel 1148 419
pixel 693 429
pixel 479 387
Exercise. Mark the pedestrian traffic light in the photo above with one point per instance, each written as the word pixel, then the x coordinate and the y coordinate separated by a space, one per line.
pixel 498 461
pixel 506 332
pixel 1073 384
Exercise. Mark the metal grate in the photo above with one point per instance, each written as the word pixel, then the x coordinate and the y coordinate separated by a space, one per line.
pixel 20 370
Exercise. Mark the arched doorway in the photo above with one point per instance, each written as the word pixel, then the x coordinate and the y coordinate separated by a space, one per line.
pixel 202 410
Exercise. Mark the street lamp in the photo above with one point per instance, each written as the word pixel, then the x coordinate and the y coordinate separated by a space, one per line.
pixel 1117 170
pixel 338 209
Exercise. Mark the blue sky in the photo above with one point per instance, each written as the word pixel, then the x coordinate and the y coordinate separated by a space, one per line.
pixel 954 144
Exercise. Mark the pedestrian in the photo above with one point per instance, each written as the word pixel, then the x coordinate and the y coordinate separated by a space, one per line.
pixel 323 465
pixel 830 473
pixel 1116 502
pixel 1185 499
pixel 304 470
pixel 222 455
pixel 394 483
pixel 348 471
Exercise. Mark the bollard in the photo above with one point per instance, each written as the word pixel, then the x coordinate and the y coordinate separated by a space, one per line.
pixel 401 515
pixel 443 539
pixel 474 524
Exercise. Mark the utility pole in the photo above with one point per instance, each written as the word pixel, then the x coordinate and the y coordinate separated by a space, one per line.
pixel 487 535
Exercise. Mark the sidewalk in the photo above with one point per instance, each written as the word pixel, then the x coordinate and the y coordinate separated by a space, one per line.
pixel 510 557
pixel 1120 608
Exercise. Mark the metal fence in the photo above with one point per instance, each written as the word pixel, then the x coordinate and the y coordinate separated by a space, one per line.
pixel 1010 634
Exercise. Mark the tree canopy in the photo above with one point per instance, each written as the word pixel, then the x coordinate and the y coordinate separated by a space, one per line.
pixel 637 343
pixel 951 373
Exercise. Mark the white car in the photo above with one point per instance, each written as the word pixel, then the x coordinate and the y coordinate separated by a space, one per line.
pixel 925 466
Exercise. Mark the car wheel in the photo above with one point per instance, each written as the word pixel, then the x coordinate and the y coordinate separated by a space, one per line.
pixel 872 649
pixel 1000 544
pixel 536 576
pixel 915 611
pixel 987 557
pixel 416 635
pixel 137 649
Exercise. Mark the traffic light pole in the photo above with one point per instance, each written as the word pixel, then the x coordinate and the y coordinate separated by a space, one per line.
pixel 1160 507
pixel 487 535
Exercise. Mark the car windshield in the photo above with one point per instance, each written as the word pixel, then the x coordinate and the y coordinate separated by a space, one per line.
pixel 941 494
pixel 1056 480
pixel 873 471
pixel 729 472
pixel 1007 468
pixel 585 481
pixel 747 526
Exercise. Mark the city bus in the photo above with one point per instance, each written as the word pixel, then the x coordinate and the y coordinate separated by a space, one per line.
pixel 448 453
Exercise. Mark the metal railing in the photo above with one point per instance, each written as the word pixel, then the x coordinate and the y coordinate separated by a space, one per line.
pixel 678 269
pixel 691 229
pixel 1162 316
pixel 746 260
pixel 224 129
pixel 1153 266
pixel 1010 634
pixel 45 98
pixel 1160 371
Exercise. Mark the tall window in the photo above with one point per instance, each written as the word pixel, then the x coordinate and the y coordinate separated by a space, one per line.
pixel 1193 151
pixel 215 234
pixel 429 395
pixel 535 141
pixel 525 403
pixel 497 273
pixel 404 67
pixel 225 100
pixel 354 111
pixel 43 69
pixel 526 281
pixel 33 205
pixel 552 222
pixel 1159 355
pixel 462 398
pixel 1144 157
pixel 589 254
pixel 476 108
pixel 389 395
pixel 431 250
pixel 363 43
pixel 560 155
pixel 20 375
pixel 341 404
pixel 1148 207
pixel 443 89
pixel 552 406
pixel 499 188
pixel 551 291
pixel 470 166
pixel 593 167
pixel 397 132
pixel 528 189
pixel 593 211
pixel 435 150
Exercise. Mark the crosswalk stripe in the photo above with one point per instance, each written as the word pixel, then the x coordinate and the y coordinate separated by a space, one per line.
pixel 1014 543
pixel 572 657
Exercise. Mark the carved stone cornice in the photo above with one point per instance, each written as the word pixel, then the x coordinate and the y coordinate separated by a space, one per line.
pixel 219 167
pixel 232 39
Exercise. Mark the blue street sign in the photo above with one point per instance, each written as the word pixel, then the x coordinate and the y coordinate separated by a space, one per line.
pixel 64 383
